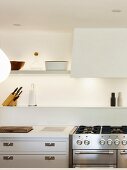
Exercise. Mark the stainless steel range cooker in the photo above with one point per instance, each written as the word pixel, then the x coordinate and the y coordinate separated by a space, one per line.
pixel 98 146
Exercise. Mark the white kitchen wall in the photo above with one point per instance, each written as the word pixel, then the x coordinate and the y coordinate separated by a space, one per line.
pixel 20 45
pixel 62 95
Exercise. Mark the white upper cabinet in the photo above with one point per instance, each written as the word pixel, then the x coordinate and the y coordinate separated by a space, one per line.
pixel 99 52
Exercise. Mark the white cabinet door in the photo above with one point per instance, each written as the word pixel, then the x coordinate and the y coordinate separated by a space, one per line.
pixel 99 52
pixel 33 161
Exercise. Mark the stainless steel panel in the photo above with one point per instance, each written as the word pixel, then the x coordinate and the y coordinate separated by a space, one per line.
pixel 94 141
pixel 70 152
pixel 122 158
pixel 90 157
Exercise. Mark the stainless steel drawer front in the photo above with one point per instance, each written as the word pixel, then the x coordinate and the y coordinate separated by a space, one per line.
pixel 20 145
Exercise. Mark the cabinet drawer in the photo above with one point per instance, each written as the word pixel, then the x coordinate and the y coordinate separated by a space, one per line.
pixel 21 161
pixel 33 161
pixel 20 146
pixel 51 146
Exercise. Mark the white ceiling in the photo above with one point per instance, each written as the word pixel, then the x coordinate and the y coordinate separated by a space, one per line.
pixel 61 15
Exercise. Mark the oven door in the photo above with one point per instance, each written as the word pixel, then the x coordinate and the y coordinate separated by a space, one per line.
pixel 94 157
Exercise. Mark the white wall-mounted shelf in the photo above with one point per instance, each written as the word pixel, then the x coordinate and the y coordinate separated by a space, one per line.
pixel 63 106
pixel 38 72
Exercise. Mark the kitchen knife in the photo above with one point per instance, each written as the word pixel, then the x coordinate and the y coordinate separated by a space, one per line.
pixel 18 91
pixel 10 98
pixel 16 97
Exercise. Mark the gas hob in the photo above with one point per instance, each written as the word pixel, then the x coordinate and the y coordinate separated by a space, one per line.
pixel 101 130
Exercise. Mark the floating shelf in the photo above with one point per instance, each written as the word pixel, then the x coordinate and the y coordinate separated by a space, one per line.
pixel 63 106
pixel 38 72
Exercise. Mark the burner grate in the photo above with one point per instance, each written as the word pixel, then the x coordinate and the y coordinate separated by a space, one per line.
pixel 88 130
pixel 114 129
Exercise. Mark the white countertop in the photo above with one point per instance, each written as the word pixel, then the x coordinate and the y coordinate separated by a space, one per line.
pixel 43 131
pixel 61 168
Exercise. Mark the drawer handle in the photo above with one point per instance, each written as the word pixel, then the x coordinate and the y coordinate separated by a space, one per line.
pixel 49 144
pixel 8 144
pixel 49 157
pixel 7 157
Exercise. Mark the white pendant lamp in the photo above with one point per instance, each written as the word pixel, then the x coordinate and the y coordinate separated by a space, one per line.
pixel 5 66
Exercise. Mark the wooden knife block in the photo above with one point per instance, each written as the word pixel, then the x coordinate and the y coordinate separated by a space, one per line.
pixel 13 103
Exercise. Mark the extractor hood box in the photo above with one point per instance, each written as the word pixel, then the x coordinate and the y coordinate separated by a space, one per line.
pixel 99 52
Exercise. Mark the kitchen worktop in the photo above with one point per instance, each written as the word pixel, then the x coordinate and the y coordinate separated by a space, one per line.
pixel 43 131
pixel 63 168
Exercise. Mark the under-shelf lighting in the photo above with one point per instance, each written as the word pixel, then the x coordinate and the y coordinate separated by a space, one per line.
pixel 5 66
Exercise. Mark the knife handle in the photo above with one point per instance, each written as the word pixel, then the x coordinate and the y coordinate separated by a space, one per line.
pixel 15 90
pixel 18 91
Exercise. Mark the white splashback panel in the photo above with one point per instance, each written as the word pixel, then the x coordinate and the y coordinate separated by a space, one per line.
pixel 62 90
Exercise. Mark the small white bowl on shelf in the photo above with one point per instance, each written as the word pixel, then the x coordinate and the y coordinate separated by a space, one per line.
pixel 56 65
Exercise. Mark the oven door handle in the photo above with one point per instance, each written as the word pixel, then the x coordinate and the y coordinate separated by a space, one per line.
pixel 123 152
pixel 97 152
pixel 94 166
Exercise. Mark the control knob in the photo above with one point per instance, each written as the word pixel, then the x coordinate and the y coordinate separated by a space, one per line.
pixel 79 142
pixel 117 142
pixel 124 142
pixel 86 142
pixel 109 141
pixel 102 141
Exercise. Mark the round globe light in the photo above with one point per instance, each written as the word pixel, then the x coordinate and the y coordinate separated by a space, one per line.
pixel 5 66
